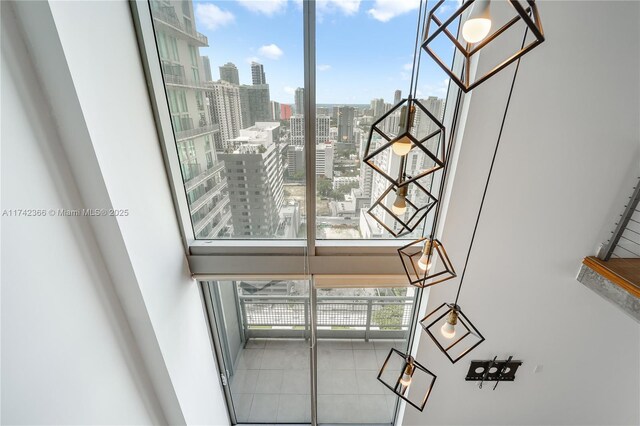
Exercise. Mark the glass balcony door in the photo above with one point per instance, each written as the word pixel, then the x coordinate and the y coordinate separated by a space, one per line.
pixel 355 329
pixel 263 337
pixel 263 332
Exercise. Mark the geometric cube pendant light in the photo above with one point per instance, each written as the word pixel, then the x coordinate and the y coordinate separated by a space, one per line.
pixel 478 31
pixel 405 127
pixel 407 378
pixel 451 331
pixel 400 210
pixel 426 262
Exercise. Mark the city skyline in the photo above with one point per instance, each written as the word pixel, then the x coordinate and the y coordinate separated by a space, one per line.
pixel 344 74
pixel 242 153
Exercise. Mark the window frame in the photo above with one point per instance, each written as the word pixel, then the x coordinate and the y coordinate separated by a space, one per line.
pixel 269 257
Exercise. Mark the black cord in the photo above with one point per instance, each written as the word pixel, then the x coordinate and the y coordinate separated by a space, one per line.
pixel 415 52
pixel 493 160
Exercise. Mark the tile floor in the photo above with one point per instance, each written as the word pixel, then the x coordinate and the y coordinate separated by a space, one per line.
pixel 271 382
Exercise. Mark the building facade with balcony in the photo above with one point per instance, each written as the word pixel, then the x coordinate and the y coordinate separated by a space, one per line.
pixel 196 129
pixel 223 101
pixel 254 171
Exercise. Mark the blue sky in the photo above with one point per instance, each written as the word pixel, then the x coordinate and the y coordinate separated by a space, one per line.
pixel 364 48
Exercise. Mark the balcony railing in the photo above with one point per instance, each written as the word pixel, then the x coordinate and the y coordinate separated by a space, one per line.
pixel 365 317
pixel 199 225
pixel 202 177
pixel 168 16
pixel 202 200
pixel 197 131
pixel 172 78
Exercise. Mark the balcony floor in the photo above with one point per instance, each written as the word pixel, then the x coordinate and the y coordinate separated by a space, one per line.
pixel 271 382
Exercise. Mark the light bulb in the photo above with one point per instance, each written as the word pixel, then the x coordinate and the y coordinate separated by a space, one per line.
pixel 478 24
pixel 402 146
pixel 424 262
pixel 399 205
pixel 448 330
pixel 405 380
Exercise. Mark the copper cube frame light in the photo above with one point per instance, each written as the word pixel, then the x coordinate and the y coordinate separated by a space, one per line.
pixel 419 211
pixel 412 253
pixel 403 382
pixel 452 314
pixel 529 14
pixel 408 107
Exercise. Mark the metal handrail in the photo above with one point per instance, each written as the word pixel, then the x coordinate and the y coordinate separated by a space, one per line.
pixel 607 250
pixel 167 15
pixel 186 134
pixel 298 307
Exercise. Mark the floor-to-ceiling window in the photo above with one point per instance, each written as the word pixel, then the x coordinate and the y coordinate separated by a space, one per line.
pixel 264 109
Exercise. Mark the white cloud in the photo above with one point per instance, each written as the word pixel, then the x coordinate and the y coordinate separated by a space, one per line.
pixel 212 17
pixel 348 7
pixel 438 89
pixel 265 7
pixel 408 66
pixel 324 67
pixel 385 10
pixel 252 59
pixel 271 51
pixel 289 90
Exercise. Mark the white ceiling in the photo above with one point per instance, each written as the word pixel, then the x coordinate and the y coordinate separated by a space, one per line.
pixel 569 157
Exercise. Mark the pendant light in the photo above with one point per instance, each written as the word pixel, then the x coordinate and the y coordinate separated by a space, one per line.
pixel 478 31
pixel 409 203
pixel 418 259
pixel 451 330
pixel 407 378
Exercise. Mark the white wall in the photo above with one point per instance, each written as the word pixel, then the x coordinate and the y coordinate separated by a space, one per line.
pixel 68 355
pixel 569 157
pixel 86 56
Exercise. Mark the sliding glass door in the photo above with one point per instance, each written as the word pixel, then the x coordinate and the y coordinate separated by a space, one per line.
pixel 263 336
pixel 356 328
pixel 264 332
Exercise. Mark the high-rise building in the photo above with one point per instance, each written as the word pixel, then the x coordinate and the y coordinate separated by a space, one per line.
pixel 323 125
pixel 299 99
pixel 194 126
pixel 285 112
pixel 255 104
pixel 207 68
pixel 346 120
pixel 296 127
pixel 229 73
pixel 224 105
pixel 275 111
pixel 257 74
pixel 366 177
pixel 324 160
pixel 323 111
pixel 254 173
pixel 391 163
pixel 378 108
pixel 397 97
pixel 295 160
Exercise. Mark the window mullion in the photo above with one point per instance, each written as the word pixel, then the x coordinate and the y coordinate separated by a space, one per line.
pixel 309 14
